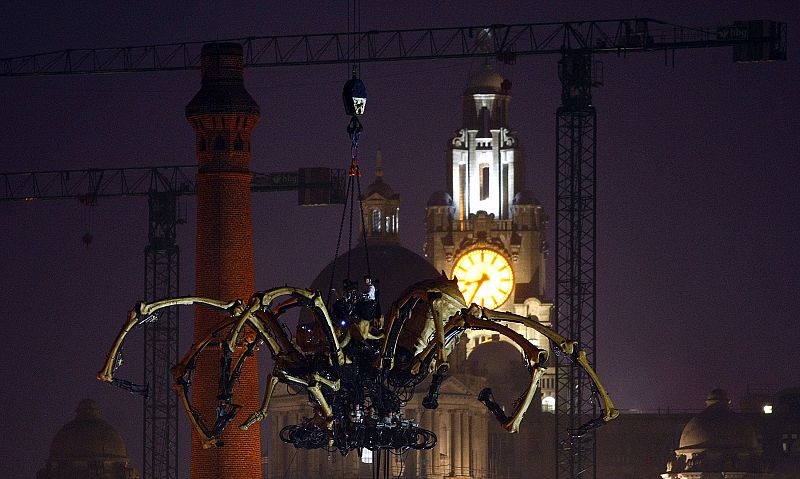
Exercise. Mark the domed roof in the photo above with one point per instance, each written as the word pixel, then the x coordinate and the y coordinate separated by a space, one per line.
pixel 88 437
pixel 485 81
pixel 440 198
pixel 525 197
pixel 382 188
pixel 717 427
pixel 393 266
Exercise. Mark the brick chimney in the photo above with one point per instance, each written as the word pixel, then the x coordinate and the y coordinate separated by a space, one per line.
pixel 223 115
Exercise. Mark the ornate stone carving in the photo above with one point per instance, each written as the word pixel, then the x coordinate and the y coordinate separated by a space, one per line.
pixel 508 138
pixel 460 139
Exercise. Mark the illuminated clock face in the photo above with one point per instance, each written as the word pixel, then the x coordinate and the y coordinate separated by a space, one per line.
pixel 484 277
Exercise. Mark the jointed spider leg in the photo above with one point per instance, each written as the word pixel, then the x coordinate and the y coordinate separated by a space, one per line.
pixel 535 360
pixel 225 410
pixel 141 314
pixel 571 349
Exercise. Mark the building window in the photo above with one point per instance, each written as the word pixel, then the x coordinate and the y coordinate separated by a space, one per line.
pixel 366 456
pixel 548 404
pixel 238 145
pixel 505 195
pixel 219 143
pixel 462 191
pixel 376 221
pixel 484 176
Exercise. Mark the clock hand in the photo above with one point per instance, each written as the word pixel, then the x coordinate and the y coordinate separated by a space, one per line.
pixel 480 282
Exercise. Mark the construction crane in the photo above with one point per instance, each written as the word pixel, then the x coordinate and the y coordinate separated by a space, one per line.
pixel 575 43
pixel 162 186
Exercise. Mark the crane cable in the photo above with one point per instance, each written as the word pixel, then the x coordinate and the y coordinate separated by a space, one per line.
pixel 353 189
pixel 355 98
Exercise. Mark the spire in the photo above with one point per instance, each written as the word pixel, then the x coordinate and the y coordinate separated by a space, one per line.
pixel 379 164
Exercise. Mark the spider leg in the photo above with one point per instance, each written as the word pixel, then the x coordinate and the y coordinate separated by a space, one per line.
pixel 431 400
pixel 258 301
pixel 261 414
pixel 437 306
pixel 146 312
pixel 315 302
pixel 314 385
pixel 535 360
pixel 398 315
pixel 274 379
pixel 182 372
pixel 282 349
pixel 263 318
pixel 569 347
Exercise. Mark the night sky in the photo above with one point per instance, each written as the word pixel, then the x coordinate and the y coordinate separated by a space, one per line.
pixel 697 191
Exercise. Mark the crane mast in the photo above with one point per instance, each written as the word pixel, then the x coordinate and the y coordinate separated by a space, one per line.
pixel 575 301
pixel 162 186
pixel 576 44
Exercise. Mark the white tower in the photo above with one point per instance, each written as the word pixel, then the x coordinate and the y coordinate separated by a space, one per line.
pixel 487 230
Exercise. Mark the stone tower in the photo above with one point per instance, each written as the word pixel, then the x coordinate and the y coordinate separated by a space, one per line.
pixel 486 229
pixel 223 115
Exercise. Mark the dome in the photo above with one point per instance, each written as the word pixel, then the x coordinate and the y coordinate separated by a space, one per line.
pixel 88 436
pixel 525 197
pixel 381 188
pixel 440 198
pixel 393 266
pixel 486 81
pixel 717 427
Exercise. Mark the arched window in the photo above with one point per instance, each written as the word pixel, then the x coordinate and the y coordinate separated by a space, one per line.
pixel 238 144
pixel 219 143
pixel 548 404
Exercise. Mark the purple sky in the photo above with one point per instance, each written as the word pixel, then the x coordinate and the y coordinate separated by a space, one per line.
pixel 697 191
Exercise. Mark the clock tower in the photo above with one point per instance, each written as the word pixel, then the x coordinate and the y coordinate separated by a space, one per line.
pixel 486 229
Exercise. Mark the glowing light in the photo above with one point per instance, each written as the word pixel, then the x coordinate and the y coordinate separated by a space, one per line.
pixel 548 404
pixel 366 456
pixel 484 277
pixel 767 408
